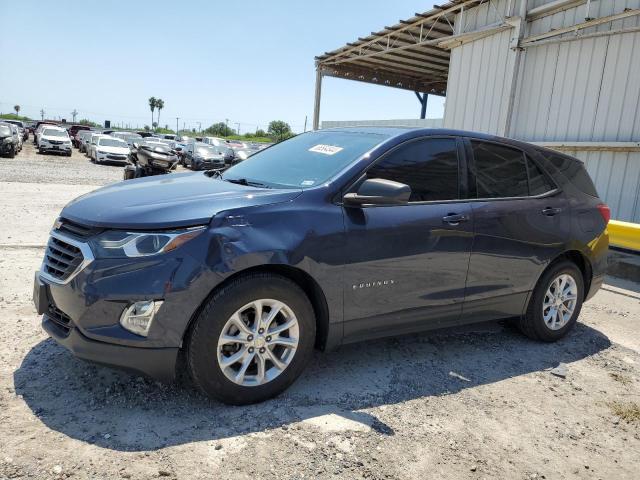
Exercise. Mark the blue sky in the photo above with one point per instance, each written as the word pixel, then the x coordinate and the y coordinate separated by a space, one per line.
pixel 247 61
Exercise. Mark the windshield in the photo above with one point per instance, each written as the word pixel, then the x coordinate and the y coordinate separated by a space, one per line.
pixel 205 151
pixel 111 142
pixel 52 132
pixel 305 160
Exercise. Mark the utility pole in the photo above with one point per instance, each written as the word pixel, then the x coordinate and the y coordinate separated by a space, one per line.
pixel 74 114
pixel 199 127
pixel 177 118
pixel 226 130
pixel 42 112
pixel 305 123
pixel 238 131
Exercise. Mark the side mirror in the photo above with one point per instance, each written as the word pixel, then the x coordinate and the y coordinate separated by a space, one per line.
pixel 135 145
pixel 378 191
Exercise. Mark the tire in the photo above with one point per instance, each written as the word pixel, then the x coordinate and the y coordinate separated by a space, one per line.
pixel 12 154
pixel 202 346
pixel 533 323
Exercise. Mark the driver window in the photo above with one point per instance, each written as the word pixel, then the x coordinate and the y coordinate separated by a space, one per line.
pixel 428 166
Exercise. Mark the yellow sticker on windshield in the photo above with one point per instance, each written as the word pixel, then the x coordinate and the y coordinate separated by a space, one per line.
pixel 326 149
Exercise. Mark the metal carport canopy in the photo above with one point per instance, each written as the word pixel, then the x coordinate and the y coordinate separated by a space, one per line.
pixel 405 55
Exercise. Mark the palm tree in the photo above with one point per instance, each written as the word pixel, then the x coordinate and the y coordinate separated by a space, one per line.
pixel 152 105
pixel 159 106
pixel 17 109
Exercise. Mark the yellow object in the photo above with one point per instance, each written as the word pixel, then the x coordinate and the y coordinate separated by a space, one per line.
pixel 624 234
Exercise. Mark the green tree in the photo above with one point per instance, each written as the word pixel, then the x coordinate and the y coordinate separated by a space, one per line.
pixel 219 129
pixel 152 105
pixel 279 130
pixel 159 106
pixel 86 121
pixel 17 109
pixel 146 128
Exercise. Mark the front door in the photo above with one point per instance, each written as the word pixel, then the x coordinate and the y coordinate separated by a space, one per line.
pixel 406 265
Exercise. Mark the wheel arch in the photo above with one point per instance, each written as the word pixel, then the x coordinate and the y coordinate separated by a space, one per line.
pixel 306 282
pixel 581 261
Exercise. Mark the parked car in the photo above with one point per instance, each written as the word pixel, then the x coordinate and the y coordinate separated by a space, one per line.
pixel 112 150
pixel 199 156
pixel 8 145
pixel 214 141
pixel 54 139
pixel 90 149
pixel 329 237
pixel 39 125
pixel 236 144
pixel 73 133
pixel 16 134
pixel 149 159
pixel 83 137
pixel 22 129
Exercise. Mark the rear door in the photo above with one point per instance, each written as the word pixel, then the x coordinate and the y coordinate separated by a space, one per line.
pixel 406 265
pixel 522 221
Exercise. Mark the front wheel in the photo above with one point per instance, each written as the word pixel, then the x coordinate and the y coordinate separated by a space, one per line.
pixel 555 303
pixel 252 339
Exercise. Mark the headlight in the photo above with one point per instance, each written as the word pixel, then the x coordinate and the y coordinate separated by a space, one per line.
pixel 102 152
pixel 119 244
pixel 8 140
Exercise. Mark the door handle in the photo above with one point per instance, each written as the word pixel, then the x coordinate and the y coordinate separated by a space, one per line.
pixel 454 218
pixel 550 211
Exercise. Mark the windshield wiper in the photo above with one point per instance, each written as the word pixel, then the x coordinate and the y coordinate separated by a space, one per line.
pixel 248 183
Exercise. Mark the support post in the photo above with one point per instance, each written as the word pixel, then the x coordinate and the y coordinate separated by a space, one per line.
pixel 423 104
pixel 316 104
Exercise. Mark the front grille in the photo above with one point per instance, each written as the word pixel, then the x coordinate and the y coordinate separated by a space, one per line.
pixel 77 230
pixel 60 318
pixel 61 259
pixel 117 157
pixel 55 142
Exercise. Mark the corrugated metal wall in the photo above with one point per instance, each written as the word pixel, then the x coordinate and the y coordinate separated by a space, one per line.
pixel 412 122
pixel 586 90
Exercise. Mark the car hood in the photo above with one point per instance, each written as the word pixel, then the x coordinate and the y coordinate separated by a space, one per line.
pixel 167 201
pixel 115 150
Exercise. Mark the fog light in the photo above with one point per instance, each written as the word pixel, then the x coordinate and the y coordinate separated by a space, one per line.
pixel 138 316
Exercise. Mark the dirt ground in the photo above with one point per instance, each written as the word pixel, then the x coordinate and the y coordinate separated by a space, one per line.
pixel 477 402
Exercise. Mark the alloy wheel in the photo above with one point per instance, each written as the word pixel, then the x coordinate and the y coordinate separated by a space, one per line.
pixel 559 301
pixel 258 342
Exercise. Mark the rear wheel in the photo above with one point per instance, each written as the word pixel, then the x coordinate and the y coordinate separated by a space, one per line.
pixel 555 303
pixel 252 339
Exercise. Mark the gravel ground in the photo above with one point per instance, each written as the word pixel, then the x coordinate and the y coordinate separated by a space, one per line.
pixel 31 167
pixel 475 402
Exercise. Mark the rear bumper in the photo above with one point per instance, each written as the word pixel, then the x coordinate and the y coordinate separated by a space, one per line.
pixel 158 363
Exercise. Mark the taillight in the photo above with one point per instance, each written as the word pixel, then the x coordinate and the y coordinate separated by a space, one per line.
pixel 605 211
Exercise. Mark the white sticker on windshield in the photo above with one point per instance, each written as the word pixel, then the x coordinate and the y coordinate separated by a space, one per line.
pixel 307 183
pixel 326 149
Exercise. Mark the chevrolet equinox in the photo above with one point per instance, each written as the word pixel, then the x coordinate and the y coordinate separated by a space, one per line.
pixel 327 238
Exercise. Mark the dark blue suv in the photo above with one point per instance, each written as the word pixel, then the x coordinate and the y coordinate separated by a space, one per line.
pixel 330 237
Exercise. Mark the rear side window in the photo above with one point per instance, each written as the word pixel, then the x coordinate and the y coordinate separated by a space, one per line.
pixel 539 183
pixel 575 172
pixel 499 171
pixel 428 166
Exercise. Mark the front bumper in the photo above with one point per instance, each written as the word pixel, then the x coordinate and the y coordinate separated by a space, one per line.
pixel 55 148
pixel 83 312
pixel 111 158
pixel 158 363
pixel 6 147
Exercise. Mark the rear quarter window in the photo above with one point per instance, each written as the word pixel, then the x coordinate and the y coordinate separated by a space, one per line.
pixel 574 170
